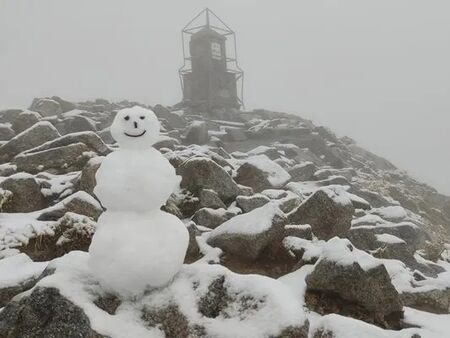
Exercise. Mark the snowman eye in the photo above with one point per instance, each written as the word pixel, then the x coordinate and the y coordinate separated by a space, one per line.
pixel 142 117
pixel 126 118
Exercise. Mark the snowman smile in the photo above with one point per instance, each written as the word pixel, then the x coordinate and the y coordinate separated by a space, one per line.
pixel 137 135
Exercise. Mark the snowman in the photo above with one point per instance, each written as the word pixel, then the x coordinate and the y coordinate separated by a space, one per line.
pixel 136 245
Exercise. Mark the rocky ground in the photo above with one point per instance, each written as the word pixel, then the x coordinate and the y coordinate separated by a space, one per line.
pixel 294 231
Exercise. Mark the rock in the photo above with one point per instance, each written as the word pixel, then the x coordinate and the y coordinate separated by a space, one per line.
pixel 72 157
pixel 247 235
pixel 6 133
pixel 249 203
pixel 369 288
pixel 245 191
pixel 19 273
pixel 170 320
pixel 75 124
pixel 326 173
pixel 197 133
pixel 173 120
pixel 328 214
pixel 413 235
pixel 289 203
pixel 271 152
pixel 298 230
pixel 236 134
pixel 25 120
pixel 30 138
pixel 86 181
pixel 65 105
pixel 210 199
pixel 79 203
pixel 46 107
pixel 44 313
pixel 71 232
pixel 202 173
pixel 260 173
pixel 166 142
pixel 26 194
pixel 303 171
pixel 8 115
pixel 106 136
pixel 435 300
pixel 88 138
pixel 193 251
pixel 211 218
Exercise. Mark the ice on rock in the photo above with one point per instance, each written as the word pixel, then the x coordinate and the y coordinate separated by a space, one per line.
pixel 136 246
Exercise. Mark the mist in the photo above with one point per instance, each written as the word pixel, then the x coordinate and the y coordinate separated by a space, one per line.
pixel 377 71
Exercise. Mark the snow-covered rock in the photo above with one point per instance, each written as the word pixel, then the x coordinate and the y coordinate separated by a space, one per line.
pixel 328 212
pixel 203 173
pixel 247 235
pixel 260 173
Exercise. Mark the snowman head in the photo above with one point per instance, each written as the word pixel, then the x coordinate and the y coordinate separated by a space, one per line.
pixel 135 128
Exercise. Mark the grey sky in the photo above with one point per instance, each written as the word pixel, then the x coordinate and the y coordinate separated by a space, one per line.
pixel 378 71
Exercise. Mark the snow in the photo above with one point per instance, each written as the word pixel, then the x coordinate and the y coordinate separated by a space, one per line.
pixel 368 220
pixel 58 183
pixel 253 222
pixel 432 325
pixel 275 305
pixel 135 128
pixel 132 251
pixel 391 213
pixel 390 239
pixel 296 280
pixel 17 269
pixel 34 126
pixel 277 176
pixel 16 229
pixel 338 250
pixel 133 182
pixel 260 150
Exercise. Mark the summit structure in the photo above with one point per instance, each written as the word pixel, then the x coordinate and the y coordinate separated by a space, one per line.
pixel 210 76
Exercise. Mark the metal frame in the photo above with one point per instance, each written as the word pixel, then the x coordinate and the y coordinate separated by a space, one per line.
pixel 225 30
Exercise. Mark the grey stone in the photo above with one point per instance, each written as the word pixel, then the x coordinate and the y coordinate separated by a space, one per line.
pixel 210 199
pixel 6 133
pixel 44 313
pixel 88 138
pixel 197 133
pixel 78 203
pixel 371 289
pixel 202 173
pixel 211 218
pixel 46 107
pixel 25 120
pixel 30 138
pixel 303 171
pixel 75 124
pixel 59 160
pixel 435 301
pixel 248 203
pixel 86 181
pixel 327 217
pixel 301 231
pixel 248 245
pixel 26 194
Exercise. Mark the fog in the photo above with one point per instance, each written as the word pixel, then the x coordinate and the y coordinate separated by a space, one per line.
pixel 377 71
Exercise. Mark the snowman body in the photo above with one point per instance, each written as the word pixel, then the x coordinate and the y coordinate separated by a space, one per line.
pixel 136 245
